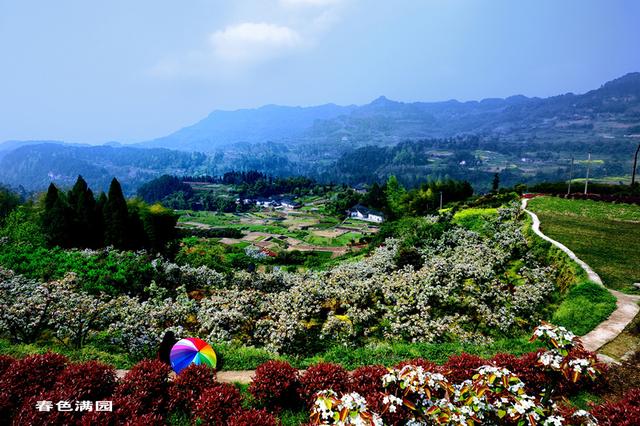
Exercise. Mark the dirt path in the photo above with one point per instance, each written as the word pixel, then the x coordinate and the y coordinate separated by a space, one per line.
pixel 626 308
pixel 243 377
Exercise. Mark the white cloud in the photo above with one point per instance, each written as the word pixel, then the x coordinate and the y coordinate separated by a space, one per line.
pixel 254 42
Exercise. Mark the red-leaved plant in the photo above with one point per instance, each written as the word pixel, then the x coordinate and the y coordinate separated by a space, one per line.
pixel 275 385
pixel 189 385
pixel 254 418
pixel 323 376
pixel 218 404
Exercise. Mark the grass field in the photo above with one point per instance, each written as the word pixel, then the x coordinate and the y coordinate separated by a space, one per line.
pixel 605 235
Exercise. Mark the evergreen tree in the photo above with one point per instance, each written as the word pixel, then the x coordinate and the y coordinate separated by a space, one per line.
pixel 98 215
pixel 136 237
pixel 55 219
pixel 116 217
pixel 83 204
pixel 495 184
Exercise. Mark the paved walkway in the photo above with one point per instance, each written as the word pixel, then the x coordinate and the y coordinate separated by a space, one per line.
pixel 627 305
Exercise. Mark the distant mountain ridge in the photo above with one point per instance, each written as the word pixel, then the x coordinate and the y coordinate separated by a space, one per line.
pixel 384 121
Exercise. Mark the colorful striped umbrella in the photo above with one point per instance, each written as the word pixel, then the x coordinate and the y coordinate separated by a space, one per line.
pixel 191 351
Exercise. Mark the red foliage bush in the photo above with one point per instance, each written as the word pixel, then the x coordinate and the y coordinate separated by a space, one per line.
pixel 143 390
pixel 28 377
pixel 625 412
pixel 462 367
pixel 218 404
pixel 88 381
pixel 189 385
pixel 321 377
pixel 5 362
pixel 254 418
pixel 275 385
pixel 368 380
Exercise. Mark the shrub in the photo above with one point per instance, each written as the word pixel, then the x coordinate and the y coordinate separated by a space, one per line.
pixel 218 404
pixel 189 385
pixel 275 385
pixel 5 362
pixel 143 390
pixel 625 412
pixel 322 376
pixel 462 367
pixel 421 362
pixel 88 381
pixel 254 418
pixel 28 377
pixel 367 380
pixel 526 368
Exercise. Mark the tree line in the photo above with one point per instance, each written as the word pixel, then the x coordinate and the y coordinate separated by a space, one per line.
pixel 77 219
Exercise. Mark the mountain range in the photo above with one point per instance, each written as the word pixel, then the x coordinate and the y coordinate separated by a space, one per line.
pixel 526 139
pixel 608 111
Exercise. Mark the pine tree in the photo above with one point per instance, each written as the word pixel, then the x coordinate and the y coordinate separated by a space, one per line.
pixel 98 220
pixel 116 216
pixel 55 219
pixel 83 205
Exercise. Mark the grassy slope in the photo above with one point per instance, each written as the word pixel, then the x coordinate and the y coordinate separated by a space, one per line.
pixel 605 235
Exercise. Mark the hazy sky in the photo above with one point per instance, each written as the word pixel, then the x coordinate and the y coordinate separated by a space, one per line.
pixel 130 70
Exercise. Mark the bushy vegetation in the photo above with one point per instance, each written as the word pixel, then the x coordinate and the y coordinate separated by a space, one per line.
pixel 77 219
pixel 586 305
pixel 504 389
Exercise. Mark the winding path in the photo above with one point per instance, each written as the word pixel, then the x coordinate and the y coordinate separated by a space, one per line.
pixel 627 305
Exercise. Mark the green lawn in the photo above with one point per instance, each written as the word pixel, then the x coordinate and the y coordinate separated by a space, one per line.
pixel 605 235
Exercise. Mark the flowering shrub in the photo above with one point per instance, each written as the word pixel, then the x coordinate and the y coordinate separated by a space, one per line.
pixel 413 390
pixel 253 418
pixel 565 357
pixel 25 306
pixel 526 368
pixel 218 404
pixel 139 326
pixel 189 385
pixel 275 385
pixel 320 377
pixel 349 409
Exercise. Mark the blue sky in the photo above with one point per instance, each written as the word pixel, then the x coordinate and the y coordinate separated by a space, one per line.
pixel 131 70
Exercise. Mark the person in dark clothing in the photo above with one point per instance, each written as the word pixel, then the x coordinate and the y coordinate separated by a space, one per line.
pixel 167 343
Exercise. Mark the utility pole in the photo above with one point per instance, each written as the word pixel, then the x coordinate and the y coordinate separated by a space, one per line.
pixel 586 182
pixel 635 163
pixel 570 176
pixel 440 200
